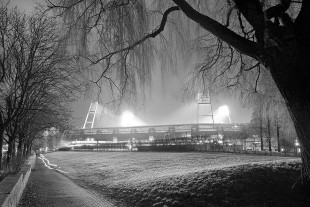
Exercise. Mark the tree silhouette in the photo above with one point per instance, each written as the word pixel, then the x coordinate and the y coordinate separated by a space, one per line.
pixel 39 79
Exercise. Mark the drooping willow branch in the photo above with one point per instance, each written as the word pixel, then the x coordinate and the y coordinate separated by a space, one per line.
pixel 139 42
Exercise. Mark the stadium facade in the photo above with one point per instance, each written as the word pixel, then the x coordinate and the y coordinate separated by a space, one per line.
pixel 206 132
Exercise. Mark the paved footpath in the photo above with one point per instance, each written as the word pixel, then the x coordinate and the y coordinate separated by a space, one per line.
pixel 49 188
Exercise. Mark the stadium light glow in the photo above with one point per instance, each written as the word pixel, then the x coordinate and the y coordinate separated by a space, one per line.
pixel 128 119
pixel 222 113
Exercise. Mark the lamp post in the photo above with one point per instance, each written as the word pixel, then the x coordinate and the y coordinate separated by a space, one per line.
pixel 296 146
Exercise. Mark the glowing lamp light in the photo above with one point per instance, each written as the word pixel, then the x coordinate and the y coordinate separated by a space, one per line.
pixel 296 143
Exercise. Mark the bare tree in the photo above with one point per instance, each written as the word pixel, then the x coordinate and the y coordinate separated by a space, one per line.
pixel 11 97
pixel 270 114
pixel 277 128
pixel 255 35
pixel 41 80
pixel 257 124
pixel 268 130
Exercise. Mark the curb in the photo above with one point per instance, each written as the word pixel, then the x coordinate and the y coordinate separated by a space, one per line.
pixel 12 186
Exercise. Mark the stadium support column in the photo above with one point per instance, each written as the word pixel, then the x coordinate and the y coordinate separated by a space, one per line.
pixel 90 118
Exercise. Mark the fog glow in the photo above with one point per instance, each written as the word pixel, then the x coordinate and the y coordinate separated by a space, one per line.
pixel 128 119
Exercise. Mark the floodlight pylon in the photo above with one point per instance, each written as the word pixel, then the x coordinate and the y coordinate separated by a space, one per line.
pixel 90 118
pixel 203 103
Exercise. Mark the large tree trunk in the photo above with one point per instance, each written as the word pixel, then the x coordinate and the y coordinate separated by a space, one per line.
pixel 29 149
pixel 13 149
pixel 9 154
pixel 20 148
pixel 1 144
pixel 269 132
pixel 278 137
pixel 261 133
pixel 291 74
pixel 301 116
pixel 25 150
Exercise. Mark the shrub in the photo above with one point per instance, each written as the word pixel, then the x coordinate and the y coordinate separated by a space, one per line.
pixel 64 149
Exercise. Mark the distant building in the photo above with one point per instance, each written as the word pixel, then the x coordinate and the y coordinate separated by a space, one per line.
pixel 254 143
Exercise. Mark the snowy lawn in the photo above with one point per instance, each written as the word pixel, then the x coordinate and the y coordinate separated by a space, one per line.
pixel 184 179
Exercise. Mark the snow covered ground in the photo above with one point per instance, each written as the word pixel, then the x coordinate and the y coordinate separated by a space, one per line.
pixel 181 179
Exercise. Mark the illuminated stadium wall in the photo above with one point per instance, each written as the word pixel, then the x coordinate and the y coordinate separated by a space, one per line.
pixel 149 133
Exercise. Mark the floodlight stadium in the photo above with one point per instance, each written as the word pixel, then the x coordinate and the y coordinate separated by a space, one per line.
pixel 159 132
pixel 172 133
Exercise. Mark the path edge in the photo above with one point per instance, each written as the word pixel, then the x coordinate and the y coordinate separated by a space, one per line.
pixel 12 186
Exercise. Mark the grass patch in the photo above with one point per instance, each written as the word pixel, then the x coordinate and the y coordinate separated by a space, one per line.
pixel 186 179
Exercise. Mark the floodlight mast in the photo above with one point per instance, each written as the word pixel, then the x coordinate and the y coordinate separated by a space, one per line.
pixel 204 99
pixel 90 118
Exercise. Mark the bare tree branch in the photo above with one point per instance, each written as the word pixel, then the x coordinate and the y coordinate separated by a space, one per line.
pixel 244 46
pixel 139 42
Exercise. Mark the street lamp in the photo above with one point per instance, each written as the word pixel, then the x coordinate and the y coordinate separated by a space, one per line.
pixel 296 145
